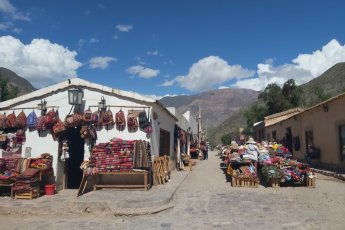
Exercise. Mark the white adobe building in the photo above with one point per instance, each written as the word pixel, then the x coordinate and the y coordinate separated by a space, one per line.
pixel 56 96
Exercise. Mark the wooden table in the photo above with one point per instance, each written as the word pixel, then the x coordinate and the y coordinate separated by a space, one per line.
pixel 8 185
pixel 100 180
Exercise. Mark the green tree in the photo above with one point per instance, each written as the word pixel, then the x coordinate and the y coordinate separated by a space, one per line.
pixel 274 99
pixel 320 94
pixel 5 92
pixel 279 99
pixel 292 94
pixel 255 113
pixel 226 139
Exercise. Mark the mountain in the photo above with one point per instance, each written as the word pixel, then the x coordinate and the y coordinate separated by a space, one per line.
pixel 223 110
pixel 16 81
pixel 216 105
pixel 332 82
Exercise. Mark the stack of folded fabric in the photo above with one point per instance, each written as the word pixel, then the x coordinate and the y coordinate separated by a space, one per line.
pixel 28 181
pixel 44 162
pixel 7 174
pixel 11 163
pixel 115 156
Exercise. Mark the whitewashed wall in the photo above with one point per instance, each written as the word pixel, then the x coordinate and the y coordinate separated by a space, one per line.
pixel 46 144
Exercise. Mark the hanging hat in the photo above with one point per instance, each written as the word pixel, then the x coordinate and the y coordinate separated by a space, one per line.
pixel 251 141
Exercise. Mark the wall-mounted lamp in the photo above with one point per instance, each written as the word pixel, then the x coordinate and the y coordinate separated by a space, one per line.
pixel 42 105
pixel 325 108
pixel 102 105
pixel 75 96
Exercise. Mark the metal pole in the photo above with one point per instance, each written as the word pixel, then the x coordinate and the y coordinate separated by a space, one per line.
pixel 199 126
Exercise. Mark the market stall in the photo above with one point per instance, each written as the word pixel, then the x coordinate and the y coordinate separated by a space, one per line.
pixel 278 170
pixel 26 177
pixel 241 166
pixel 119 164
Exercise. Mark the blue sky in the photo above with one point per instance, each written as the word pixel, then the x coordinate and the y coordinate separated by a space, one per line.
pixel 171 47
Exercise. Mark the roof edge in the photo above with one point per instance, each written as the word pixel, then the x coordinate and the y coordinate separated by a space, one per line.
pixel 70 83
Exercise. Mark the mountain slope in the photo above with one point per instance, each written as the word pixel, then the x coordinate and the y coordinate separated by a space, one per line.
pixel 332 81
pixel 216 105
pixel 16 81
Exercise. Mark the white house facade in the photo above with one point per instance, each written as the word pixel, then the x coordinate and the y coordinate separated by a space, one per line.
pixel 56 97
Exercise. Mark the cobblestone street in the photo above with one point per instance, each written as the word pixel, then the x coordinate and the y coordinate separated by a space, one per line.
pixel 205 200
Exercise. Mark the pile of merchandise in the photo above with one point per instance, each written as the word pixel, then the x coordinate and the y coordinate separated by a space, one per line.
pixel 44 162
pixel 7 173
pixel 28 181
pixel 120 156
pixel 283 170
pixel 246 171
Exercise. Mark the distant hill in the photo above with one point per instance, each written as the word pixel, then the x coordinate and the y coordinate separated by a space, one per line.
pixel 332 81
pixel 223 110
pixel 16 81
pixel 216 105
pixel 232 124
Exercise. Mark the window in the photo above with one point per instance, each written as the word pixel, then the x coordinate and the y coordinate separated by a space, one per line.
pixel 268 136
pixel 342 142
pixel 274 135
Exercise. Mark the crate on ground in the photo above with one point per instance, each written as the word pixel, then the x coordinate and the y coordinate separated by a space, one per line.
pixel 238 181
pixel 235 181
pixel 275 182
pixel 27 195
pixel 311 182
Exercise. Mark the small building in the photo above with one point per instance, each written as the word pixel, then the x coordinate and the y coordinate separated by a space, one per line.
pixel 321 126
pixel 185 132
pixel 68 174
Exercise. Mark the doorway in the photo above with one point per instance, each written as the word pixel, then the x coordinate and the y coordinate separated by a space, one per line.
pixel 164 143
pixel 288 137
pixel 76 157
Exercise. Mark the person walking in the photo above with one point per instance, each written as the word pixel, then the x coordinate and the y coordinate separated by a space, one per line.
pixel 205 152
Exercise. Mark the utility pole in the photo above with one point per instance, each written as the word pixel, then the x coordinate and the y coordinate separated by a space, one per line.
pixel 199 126
pixel 206 139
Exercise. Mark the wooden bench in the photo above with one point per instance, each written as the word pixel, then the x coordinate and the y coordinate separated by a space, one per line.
pixel 122 181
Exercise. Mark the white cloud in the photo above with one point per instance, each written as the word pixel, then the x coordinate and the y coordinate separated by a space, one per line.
pixel 302 69
pixel 223 87
pixel 140 60
pixel 168 83
pixel 17 30
pixel 115 37
pixel 83 42
pixel 94 40
pixel 7 8
pixel 101 62
pixel 209 72
pixel 5 25
pixel 323 59
pixel 143 72
pixel 124 28
pixel 153 53
pixel 169 62
pixel 40 62
pixel 101 6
